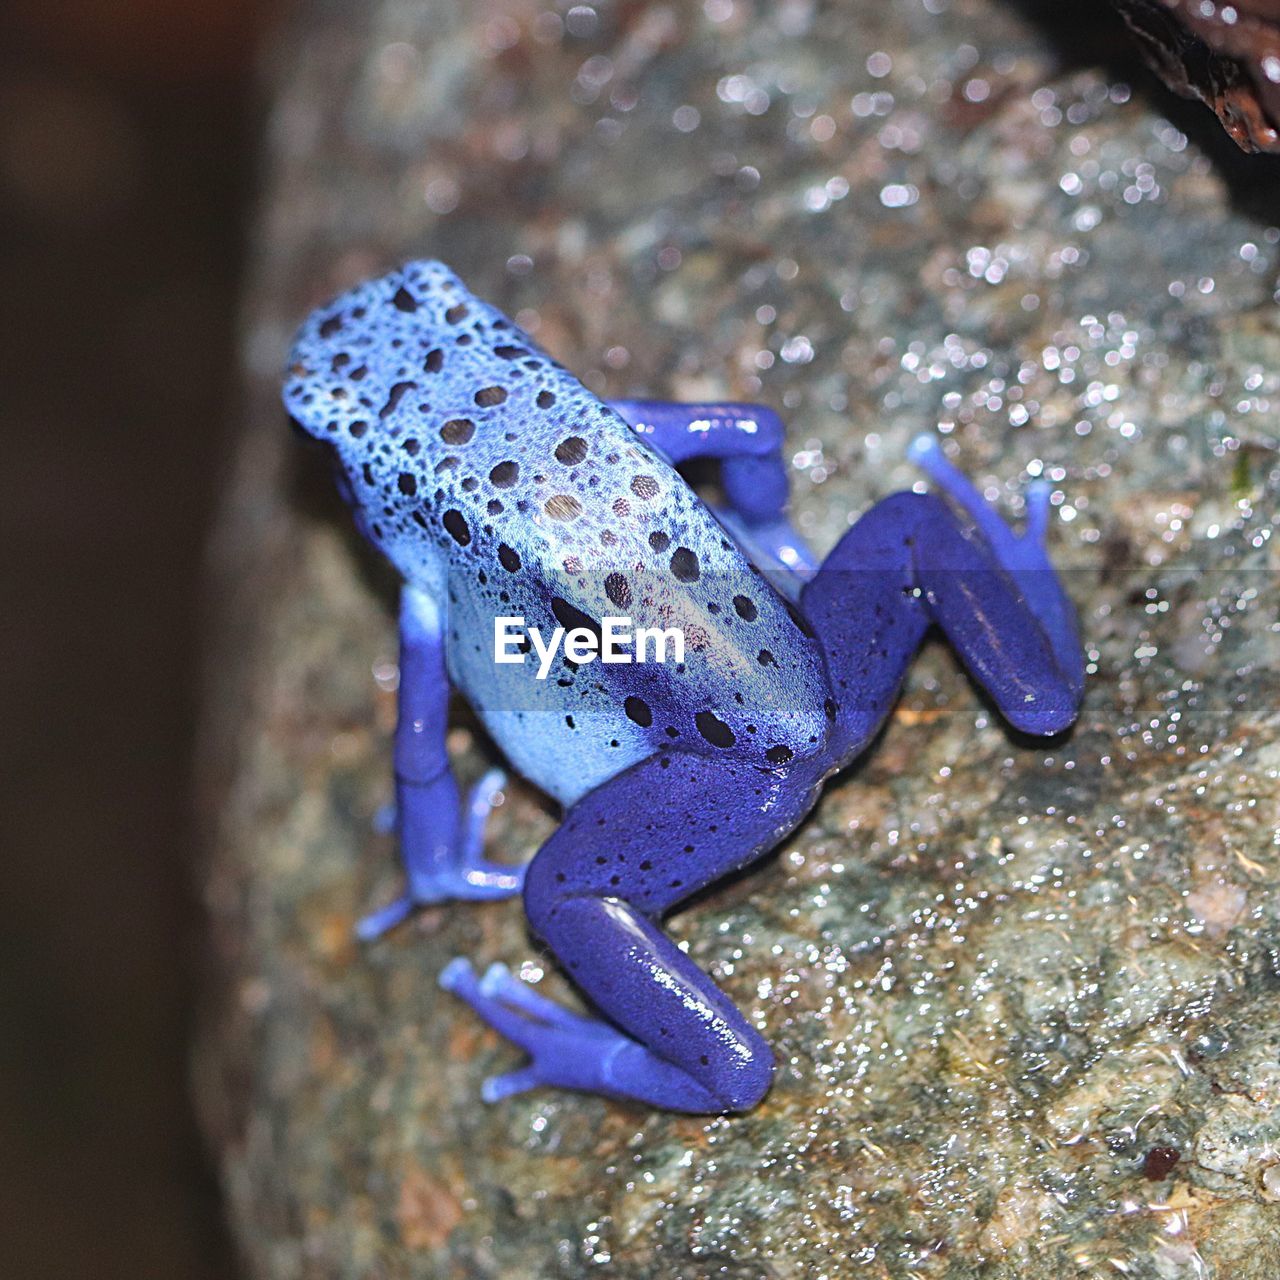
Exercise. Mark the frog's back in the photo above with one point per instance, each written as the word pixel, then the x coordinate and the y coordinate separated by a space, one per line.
pixel 451 424
pixel 489 475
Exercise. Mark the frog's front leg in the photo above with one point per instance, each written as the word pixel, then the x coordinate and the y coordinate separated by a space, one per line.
pixel 626 853
pixel 748 440
pixel 440 843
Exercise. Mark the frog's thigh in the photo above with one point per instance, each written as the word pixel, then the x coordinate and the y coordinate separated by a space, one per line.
pixel 906 564
pixel 630 850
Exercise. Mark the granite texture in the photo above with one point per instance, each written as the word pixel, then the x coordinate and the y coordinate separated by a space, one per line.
pixel 1025 998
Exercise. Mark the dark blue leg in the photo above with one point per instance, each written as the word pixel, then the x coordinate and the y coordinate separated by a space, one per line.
pixel 626 853
pixel 748 441
pixel 440 843
pixel 907 564
pixel 1024 555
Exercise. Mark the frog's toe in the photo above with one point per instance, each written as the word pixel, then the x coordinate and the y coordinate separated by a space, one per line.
pixel 926 452
pixel 1039 493
pixel 512 1006
pixel 1025 551
pixel 478 881
pixel 457 975
pixel 437 873
pixel 567 1049
pixel 496 1088
pixel 922 447
pixel 499 983
pixel 470 879
pixel 376 923
pixel 482 799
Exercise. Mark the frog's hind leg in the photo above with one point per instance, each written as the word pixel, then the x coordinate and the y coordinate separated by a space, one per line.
pixel 907 564
pixel 748 440
pixel 1024 555
pixel 441 844
pixel 627 852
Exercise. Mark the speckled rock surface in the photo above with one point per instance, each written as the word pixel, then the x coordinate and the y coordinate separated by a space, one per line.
pixel 1025 998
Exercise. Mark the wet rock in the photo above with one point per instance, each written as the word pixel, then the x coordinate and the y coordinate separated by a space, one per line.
pixel 997 974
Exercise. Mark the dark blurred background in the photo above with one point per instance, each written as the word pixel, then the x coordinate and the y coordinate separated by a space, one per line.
pixel 126 154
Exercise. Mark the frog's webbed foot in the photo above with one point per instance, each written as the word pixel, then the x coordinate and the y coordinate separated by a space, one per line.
pixel 1024 556
pixel 568 1050
pixel 1024 551
pixel 466 876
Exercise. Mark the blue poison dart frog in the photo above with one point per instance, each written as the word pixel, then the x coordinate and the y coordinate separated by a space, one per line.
pixel 502 489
